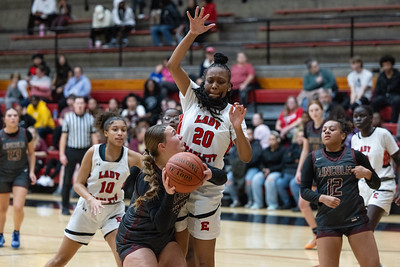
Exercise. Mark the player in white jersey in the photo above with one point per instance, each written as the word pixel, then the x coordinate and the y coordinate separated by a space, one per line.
pixel 210 125
pixel 380 147
pixel 103 172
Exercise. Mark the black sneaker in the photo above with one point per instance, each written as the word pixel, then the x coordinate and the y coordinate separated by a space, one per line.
pixel 65 211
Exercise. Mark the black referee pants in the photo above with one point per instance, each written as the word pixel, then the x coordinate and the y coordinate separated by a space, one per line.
pixel 74 157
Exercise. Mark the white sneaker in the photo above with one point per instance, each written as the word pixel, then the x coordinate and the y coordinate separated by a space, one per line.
pixel 45 181
pixel 41 180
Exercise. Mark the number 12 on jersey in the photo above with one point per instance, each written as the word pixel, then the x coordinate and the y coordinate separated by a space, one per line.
pixel 334 186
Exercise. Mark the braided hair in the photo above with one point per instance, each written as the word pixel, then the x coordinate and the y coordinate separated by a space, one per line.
pixel 153 136
pixel 214 105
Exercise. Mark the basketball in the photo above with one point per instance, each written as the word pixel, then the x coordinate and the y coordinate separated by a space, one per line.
pixel 185 172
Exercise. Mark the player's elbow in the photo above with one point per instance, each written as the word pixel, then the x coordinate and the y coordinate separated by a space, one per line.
pixel 246 158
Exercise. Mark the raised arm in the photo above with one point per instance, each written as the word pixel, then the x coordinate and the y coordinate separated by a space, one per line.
pixel 197 27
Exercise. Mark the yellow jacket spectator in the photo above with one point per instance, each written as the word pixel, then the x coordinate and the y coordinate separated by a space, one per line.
pixel 40 112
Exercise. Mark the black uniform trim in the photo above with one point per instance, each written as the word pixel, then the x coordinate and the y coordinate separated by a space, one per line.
pixel 204 215
pixel 78 233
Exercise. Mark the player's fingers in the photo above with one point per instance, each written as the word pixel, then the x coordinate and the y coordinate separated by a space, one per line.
pixel 196 12
pixel 201 12
pixel 188 15
pixel 205 17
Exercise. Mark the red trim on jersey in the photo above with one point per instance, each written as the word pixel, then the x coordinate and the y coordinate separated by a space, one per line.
pixel 332 159
pixel 229 147
pixel 178 129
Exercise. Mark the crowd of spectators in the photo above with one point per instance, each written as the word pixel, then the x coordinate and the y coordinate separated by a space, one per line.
pixel 67 82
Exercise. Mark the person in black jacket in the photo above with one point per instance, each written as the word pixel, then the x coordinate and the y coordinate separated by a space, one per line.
pixel 246 175
pixel 170 20
pixel 387 89
pixel 291 160
pixel 271 166
pixel 341 211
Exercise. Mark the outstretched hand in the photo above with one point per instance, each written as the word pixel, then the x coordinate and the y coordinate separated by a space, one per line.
pixel 237 113
pixel 197 22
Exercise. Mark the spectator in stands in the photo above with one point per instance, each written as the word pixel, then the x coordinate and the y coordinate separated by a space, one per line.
pixel 261 130
pixel 156 75
pixel 40 147
pixel 208 60
pixel 40 84
pixel 168 85
pixel 93 107
pixel 171 117
pixel 63 73
pixel 57 130
pixel 387 89
pixel 316 78
pixel 183 29
pixel 137 141
pixel 170 20
pixel 271 166
pixel 102 23
pixel 243 78
pixel 133 110
pixel 16 91
pixel 152 101
pixel 142 4
pixel 78 85
pixel 113 106
pixel 290 161
pixel 331 109
pixel 251 168
pixel 25 120
pixel 47 179
pixel 377 119
pixel 124 22
pixel 155 12
pixel 289 119
pixel 38 110
pixel 42 11
pixel 209 8
pixel 64 15
pixel 38 60
pixel 360 83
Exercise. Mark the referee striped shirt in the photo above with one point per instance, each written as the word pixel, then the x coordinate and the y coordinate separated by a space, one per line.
pixel 79 130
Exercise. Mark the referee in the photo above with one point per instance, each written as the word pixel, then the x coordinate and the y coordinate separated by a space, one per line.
pixel 78 135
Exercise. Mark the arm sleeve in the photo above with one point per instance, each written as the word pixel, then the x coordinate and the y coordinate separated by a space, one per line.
pixel 218 176
pixel 29 136
pixel 160 210
pixel 362 160
pixel 307 177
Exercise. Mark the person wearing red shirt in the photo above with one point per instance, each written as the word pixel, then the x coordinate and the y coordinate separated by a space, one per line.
pixel 289 118
pixel 209 8
pixel 243 78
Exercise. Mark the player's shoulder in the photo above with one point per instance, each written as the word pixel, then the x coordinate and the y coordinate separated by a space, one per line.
pixel 380 132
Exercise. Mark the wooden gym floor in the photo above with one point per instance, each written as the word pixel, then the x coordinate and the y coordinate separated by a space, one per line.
pixel 248 238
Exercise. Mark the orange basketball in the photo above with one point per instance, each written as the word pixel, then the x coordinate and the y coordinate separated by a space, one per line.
pixel 185 172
